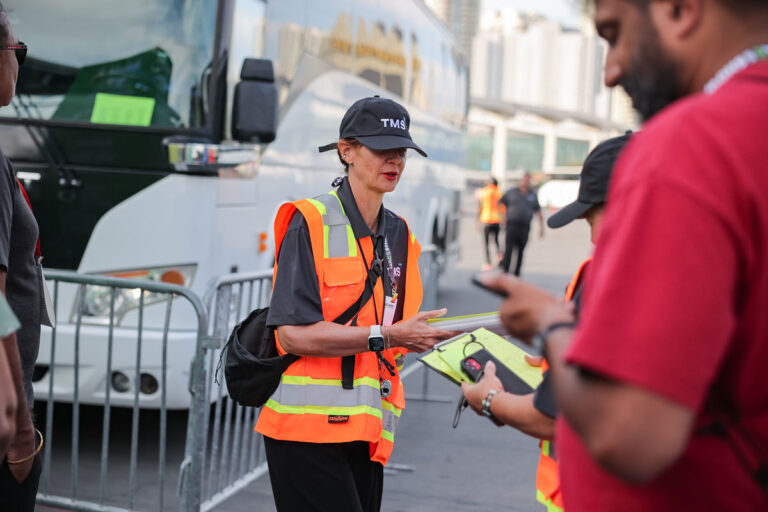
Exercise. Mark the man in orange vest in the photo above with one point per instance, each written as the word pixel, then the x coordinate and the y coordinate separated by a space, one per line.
pixel 490 217
pixel 329 426
pixel 535 414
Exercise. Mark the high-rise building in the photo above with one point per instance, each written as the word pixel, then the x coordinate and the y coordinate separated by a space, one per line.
pixel 528 60
pixel 461 17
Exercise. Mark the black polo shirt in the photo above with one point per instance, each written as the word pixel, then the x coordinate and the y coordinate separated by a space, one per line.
pixel 296 295
pixel 544 396
pixel 520 207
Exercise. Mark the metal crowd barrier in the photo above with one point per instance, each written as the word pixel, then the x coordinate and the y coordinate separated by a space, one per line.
pixel 122 493
pixel 223 452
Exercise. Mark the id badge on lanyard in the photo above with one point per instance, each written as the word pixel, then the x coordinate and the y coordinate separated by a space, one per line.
pixel 390 306
pixel 390 302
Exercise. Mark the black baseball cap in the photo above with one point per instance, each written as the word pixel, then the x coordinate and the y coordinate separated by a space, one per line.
pixel 593 181
pixel 377 123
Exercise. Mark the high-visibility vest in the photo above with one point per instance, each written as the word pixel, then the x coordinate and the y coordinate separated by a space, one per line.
pixel 310 404
pixel 489 204
pixel 548 473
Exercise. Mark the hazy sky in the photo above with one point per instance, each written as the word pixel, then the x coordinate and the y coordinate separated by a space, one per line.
pixel 564 11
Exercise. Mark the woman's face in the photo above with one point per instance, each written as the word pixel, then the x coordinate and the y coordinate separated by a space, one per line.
pixel 9 66
pixel 378 171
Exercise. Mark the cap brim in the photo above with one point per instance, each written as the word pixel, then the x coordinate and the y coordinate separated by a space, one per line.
pixel 567 214
pixel 384 142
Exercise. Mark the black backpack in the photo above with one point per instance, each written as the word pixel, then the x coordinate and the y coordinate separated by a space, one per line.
pixel 253 365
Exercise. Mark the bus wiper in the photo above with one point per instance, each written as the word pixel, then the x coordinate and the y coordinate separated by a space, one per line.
pixel 28 110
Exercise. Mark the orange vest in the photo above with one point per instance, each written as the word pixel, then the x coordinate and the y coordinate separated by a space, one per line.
pixel 548 474
pixel 310 405
pixel 489 204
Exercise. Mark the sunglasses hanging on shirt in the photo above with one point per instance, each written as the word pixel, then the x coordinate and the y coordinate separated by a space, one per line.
pixel 20 49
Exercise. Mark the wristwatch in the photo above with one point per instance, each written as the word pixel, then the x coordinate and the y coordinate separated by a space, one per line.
pixel 540 340
pixel 375 339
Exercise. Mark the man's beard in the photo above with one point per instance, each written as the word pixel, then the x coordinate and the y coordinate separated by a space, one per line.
pixel 653 81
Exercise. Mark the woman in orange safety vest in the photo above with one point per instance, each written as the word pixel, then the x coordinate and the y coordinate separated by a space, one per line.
pixel 535 413
pixel 346 295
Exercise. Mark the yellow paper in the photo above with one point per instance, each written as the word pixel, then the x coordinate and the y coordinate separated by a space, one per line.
pixel 123 110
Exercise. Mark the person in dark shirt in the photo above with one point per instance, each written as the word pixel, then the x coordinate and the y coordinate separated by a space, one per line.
pixel 521 204
pixel 20 282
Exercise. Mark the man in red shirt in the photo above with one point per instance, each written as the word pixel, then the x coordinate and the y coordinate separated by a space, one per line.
pixel 661 388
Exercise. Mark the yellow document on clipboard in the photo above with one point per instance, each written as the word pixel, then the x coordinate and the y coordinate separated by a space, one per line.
pixel 445 358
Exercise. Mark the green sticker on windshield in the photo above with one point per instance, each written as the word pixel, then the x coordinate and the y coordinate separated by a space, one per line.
pixel 120 109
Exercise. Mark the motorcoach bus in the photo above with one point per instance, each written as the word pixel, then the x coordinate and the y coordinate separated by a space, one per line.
pixel 140 161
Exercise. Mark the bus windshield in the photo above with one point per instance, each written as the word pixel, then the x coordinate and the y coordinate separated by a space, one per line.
pixel 114 62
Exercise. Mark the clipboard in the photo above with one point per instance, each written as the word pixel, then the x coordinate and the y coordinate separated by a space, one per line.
pixel 469 323
pixel 445 357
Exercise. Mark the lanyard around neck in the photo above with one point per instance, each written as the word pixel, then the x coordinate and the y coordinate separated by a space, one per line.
pixel 738 63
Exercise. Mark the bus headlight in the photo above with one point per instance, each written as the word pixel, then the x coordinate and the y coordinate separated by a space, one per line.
pixel 96 303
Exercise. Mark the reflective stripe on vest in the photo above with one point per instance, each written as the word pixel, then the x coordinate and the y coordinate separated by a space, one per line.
pixel 547 473
pixel 390 419
pixel 310 404
pixel 297 391
pixel 338 238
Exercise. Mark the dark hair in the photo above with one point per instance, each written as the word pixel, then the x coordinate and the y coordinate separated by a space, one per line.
pixel 353 142
pixel 494 181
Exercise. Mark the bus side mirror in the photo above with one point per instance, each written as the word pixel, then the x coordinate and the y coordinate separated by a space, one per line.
pixel 254 106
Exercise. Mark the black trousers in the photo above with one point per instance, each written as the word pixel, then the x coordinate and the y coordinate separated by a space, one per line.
pixel 488 230
pixel 323 476
pixel 516 239
pixel 15 496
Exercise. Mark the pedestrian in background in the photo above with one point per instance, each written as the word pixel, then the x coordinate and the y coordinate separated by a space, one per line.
pixel 662 388
pixel 535 414
pixel 489 217
pixel 21 283
pixel 521 204
pixel 329 427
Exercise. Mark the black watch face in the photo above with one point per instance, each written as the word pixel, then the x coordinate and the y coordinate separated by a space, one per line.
pixel 376 344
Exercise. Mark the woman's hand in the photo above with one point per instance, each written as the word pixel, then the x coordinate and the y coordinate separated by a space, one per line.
pixel 415 334
pixel 476 393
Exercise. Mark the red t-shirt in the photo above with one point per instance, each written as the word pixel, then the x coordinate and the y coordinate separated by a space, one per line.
pixel 676 301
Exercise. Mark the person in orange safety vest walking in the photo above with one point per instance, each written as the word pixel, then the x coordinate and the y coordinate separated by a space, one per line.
pixel 329 427
pixel 535 414
pixel 489 215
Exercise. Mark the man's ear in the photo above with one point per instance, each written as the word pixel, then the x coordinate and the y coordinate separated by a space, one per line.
pixel 677 19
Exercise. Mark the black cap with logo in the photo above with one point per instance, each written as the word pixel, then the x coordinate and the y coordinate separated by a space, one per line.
pixel 377 123
pixel 593 184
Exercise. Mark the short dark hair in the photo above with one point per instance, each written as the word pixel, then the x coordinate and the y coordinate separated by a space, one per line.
pixel 352 141
pixel 494 181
